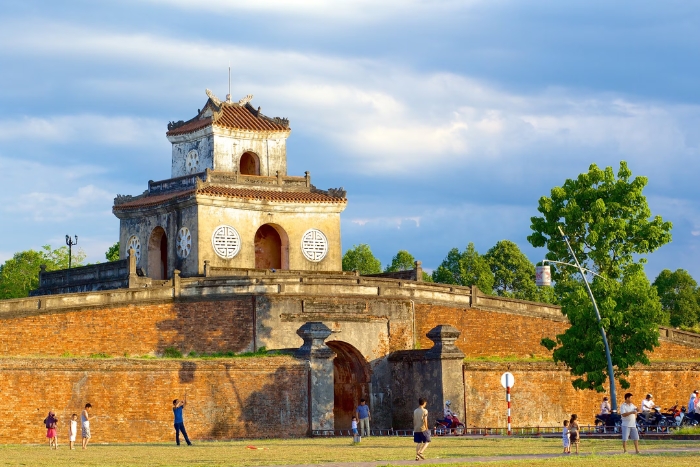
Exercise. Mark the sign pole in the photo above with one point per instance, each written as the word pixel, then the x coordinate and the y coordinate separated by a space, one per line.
pixel 508 400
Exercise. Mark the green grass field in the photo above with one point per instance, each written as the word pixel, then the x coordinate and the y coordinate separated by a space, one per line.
pixel 318 451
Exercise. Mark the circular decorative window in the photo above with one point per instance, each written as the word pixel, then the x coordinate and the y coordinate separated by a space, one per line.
pixel 314 245
pixel 192 161
pixel 134 243
pixel 184 242
pixel 226 241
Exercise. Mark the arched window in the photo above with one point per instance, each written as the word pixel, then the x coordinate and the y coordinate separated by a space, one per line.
pixel 158 255
pixel 271 247
pixel 250 164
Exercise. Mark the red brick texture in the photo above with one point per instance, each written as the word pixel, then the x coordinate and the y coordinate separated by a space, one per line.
pixel 132 399
pixel 201 326
pixel 543 395
pixel 492 333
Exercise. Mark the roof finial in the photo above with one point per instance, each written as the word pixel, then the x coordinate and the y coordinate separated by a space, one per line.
pixel 228 96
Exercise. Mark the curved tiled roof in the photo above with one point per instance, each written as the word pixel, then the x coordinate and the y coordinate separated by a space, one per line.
pixel 239 193
pixel 231 115
pixel 268 195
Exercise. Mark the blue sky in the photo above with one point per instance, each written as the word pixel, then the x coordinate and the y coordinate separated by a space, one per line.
pixel 445 121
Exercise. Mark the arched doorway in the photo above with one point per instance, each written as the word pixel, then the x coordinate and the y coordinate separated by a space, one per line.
pixel 271 247
pixel 158 255
pixel 250 164
pixel 351 377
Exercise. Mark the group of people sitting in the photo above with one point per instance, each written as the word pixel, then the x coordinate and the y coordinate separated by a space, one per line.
pixel 648 406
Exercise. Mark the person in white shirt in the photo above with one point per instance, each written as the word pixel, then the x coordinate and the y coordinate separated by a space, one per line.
pixel 648 407
pixel 628 412
pixel 692 406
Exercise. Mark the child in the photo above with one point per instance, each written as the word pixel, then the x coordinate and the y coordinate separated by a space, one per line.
pixel 574 431
pixel 355 435
pixel 73 431
pixel 565 438
pixel 50 422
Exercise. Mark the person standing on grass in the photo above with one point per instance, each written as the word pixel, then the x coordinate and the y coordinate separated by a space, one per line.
pixel 73 430
pixel 628 412
pixel 574 434
pixel 85 424
pixel 50 422
pixel 421 432
pixel 565 438
pixel 178 406
pixel 362 414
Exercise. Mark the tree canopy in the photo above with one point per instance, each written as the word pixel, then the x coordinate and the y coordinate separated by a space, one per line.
pixel 609 225
pixel 360 258
pixel 466 268
pixel 402 261
pixel 112 253
pixel 20 274
pixel 680 297
pixel 514 274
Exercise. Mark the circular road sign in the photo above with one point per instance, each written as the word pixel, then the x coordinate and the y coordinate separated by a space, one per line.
pixel 507 380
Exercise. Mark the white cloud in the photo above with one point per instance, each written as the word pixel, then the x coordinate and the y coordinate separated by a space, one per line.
pixel 95 129
pixel 86 201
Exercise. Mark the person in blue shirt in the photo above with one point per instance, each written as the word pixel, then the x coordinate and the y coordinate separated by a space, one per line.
pixel 178 405
pixel 362 414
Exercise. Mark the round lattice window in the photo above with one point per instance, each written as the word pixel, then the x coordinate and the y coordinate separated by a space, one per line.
pixel 134 243
pixel 314 245
pixel 184 242
pixel 226 241
pixel 192 161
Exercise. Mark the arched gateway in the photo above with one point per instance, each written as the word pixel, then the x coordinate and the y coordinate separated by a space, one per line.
pixel 271 247
pixel 351 377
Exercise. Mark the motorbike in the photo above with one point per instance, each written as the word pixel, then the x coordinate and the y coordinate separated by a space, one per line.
pixel 609 423
pixel 449 425
pixel 678 417
pixel 653 421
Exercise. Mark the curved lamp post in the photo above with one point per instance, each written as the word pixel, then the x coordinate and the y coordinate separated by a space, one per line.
pixel 611 374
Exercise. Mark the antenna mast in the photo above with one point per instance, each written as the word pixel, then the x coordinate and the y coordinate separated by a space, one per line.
pixel 228 96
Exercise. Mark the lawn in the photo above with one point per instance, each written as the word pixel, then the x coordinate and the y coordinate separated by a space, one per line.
pixel 323 450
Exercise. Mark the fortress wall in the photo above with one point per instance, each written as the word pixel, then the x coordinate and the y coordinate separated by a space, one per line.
pixel 543 395
pixel 498 333
pixel 136 329
pixel 132 398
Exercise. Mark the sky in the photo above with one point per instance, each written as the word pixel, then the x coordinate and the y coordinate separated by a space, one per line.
pixel 445 121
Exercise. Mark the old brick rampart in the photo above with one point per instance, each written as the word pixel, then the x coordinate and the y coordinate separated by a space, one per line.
pixel 132 398
pixel 543 395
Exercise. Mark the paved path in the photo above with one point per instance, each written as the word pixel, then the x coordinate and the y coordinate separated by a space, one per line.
pixel 469 460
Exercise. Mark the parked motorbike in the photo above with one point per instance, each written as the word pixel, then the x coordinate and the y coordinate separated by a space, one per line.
pixel 449 425
pixel 609 423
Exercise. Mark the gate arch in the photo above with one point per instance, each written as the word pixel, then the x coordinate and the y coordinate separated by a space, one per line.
pixel 271 247
pixel 351 382
pixel 158 254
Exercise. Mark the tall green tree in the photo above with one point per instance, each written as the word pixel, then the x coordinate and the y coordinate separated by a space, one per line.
pixel 20 274
pixel 609 225
pixel 514 274
pixel 360 258
pixel 466 268
pixel 679 296
pixel 402 261
pixel 112 253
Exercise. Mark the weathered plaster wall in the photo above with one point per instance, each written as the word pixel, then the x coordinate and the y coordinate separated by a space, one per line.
pixel 132 399
pixel 171 219
pixel 270 147
pixel 247 218
pixel 543 395
pixel 203 143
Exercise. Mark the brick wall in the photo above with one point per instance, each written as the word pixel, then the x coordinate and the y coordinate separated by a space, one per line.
pixel 543 395
pixel 202 326
pixel 491 333
pixel 132 399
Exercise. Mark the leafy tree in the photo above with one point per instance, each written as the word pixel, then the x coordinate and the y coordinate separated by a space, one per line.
pixel 112 253
pixel 20 274
pixel 678 292
pixel 474 270
pixel 514 274
pixel 467 268
pixel 360 258
pixel 403 261
pixel 609 225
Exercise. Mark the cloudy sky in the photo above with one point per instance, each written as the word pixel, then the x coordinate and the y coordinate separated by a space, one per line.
pixel 444 120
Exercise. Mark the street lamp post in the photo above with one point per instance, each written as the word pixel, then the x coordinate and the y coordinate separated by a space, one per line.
pixel 611 374
pixel 70 243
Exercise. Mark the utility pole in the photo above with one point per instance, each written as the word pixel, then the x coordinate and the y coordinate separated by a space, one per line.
pixel 70 243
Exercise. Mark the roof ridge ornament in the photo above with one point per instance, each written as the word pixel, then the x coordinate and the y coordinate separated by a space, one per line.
pixel 213 98
pixel 245 100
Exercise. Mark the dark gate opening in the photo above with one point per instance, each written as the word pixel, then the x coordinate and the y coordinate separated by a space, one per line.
pixel 351 378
